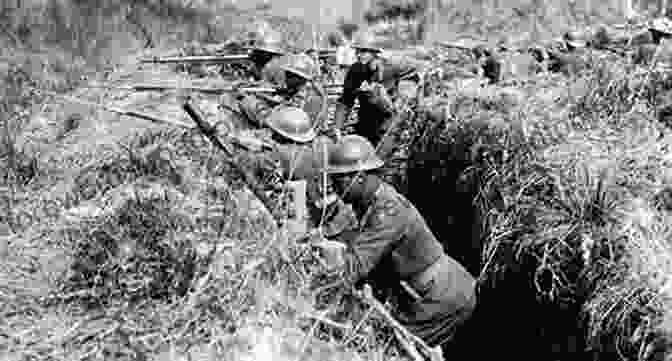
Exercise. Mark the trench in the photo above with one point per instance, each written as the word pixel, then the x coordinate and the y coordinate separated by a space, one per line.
pixel 510 321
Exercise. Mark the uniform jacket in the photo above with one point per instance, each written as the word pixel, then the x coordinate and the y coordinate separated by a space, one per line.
pixel 292 161
pixel 377 70
pixel 273 73
pixel 395 244
pixel 372 116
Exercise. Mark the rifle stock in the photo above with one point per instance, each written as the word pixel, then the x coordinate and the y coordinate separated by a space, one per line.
pixel 209 131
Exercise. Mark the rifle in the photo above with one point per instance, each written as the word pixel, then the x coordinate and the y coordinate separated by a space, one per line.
pixel 235 139
pixel 220 59
pixel 322 53
pixel 200 89
pixel 131 113
pixel 414 345
pixel 462 44
pixel 212 59
pixel 210 132
pixel 207 129
pixel 206 90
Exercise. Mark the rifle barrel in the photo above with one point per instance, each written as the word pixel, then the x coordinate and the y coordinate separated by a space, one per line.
pixel 211 90
pixel 217 59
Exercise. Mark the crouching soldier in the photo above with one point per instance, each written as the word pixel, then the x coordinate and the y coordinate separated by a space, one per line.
pixel 267 57
pixel 296 89
pixel 394 250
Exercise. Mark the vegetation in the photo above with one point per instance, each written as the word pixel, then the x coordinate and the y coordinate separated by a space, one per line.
pixel 133 240
pixel 567 247
pixel 392 9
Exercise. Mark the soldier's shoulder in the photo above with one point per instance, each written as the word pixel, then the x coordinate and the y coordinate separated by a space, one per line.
pixel 389 203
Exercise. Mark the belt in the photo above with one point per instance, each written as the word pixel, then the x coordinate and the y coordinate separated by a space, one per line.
pixel 420 280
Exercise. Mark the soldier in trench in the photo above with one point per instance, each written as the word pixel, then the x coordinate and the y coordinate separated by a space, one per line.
pixel 373 82
pixel 295 87
pixel 394 250
pixel 267 57
pixel 297 152
pixel 294 163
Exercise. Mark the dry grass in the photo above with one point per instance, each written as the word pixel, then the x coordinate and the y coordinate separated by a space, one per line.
pixel 151 267
pixel 562 252
pixel 150 249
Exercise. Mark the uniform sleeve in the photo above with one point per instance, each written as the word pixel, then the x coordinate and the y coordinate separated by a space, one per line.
pixel 378 237
pixel 255 108
pixel 378 71
pixel 351 83
pixel 341 220
pixel 272 72
pixel 317 104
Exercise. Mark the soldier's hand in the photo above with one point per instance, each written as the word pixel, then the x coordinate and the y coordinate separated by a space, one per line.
pixel 249 142
pixel 337 134
pixel 365 86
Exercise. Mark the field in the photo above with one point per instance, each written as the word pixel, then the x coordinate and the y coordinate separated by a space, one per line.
pixel 128 239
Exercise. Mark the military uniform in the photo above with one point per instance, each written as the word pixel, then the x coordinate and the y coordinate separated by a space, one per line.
pixel 375 107
pixel 265 55
pixel 394 250
pixel 302 162
pixel 308 95
pixel 273 71
pixel 305 162
pixel 394 243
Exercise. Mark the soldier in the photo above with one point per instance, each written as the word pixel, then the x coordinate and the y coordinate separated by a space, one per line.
pixel 660 28
pixel 489 62
pixel 293 116
pixel 650 45
pixel 297 157
pixel 574 40
pixel 394 250
pixel 372 82
pixel 564 56
pixel 267 57
pixel 297 89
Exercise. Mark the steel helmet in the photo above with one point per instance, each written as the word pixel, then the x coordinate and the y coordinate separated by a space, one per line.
pixel 661 25
pixel 575 39
pixel 271 42
pixel 353 153
pixel 293 123
pixel 366 41
pixel 302 65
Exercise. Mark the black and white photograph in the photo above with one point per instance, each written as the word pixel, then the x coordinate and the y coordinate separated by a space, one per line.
pixel 335 180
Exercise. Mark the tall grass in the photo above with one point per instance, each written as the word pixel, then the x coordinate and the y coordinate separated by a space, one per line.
pixel 562 258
